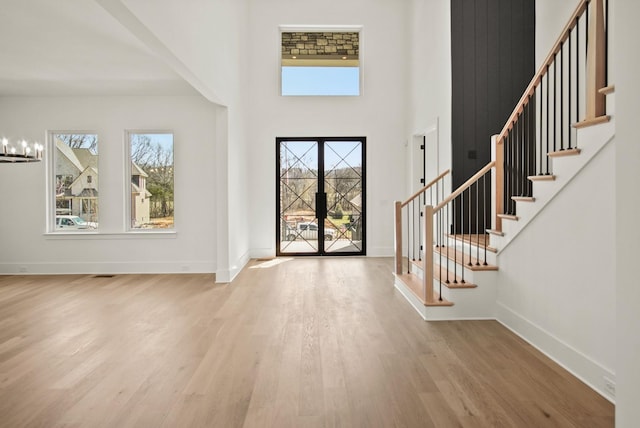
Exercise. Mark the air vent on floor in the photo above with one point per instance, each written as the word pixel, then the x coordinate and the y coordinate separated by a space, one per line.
pixel 103 276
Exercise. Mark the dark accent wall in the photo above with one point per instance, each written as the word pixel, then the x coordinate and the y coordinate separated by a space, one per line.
pixel 493 61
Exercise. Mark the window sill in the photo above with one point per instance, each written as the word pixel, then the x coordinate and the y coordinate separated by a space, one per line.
pixel 149 234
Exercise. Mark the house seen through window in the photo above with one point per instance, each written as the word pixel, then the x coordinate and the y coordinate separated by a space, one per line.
pixel 76 193
pixel 320 63
pixel 151 172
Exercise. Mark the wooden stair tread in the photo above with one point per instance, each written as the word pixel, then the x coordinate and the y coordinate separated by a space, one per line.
pixel 565 152
pixel 455 281
pixel 457 256
pixel 495 232
pixel 607 90
pixel 591 122
pixel 414 283
pixel 473 240
pixel 542 177
pixel 509 217
pixel 523 198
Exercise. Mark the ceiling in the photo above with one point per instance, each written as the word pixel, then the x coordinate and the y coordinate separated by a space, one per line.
pixel 74 47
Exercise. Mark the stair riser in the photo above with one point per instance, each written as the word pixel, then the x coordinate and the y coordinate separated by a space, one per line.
pixel 460 245
pixel 469 275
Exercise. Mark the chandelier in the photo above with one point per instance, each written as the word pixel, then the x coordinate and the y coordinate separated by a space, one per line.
pixel 23 152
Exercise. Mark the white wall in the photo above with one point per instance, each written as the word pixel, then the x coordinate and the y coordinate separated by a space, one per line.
pixel 24 245
pixel 430 73
pixel 209 41
pixel 551 17
pixel 378 114
pixel 555 283
pixel 627 208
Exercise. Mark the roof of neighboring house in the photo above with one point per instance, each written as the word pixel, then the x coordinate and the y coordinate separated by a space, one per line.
pixel 86 171
pixel 136 170
pixel 67 152
pixel 86 157
pixel 136 189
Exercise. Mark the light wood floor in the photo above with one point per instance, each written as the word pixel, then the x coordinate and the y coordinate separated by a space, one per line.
pixel 297 343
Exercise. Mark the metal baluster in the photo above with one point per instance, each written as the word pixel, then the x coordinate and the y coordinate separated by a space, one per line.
pixel 470 228
pixel 540 119
pixel 477 224
pixel 507 173
pixel 561 97
pixel 455 244
pixel 420 216
pixel 555 99
pixel 569 76
pixel 408 240
pixel 577 74
pixel 461 196
pixel 484 215
pixel 547 122
pixel 531 149
pixel 447 248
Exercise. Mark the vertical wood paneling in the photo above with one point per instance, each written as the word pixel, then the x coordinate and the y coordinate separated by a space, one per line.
pixel 493 60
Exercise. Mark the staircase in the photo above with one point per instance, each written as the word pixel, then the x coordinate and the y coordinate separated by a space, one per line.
pixel 448 248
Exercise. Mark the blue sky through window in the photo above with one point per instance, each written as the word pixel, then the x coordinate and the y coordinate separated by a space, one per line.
pixel 320 80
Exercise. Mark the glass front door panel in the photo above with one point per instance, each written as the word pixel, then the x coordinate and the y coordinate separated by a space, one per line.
pixel 320 191
pixel 343 178
pixel 298 189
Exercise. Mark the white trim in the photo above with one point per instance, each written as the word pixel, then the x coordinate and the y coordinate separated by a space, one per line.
pixel 151 234
pixel 321 28
pixel 572 360
pixel 50 172
pixel 97 268
pixel 228 275
pixel 127 177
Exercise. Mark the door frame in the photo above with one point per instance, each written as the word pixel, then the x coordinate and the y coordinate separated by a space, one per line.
pixel 321 206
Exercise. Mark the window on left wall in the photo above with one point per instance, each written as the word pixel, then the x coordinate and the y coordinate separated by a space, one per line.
pixel 75 192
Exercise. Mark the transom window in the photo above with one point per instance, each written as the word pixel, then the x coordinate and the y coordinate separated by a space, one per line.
pixel 320 63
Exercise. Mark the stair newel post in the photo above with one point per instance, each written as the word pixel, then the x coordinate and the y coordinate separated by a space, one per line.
pixel 596 61
pixel 398 237
pixel 498 190
pixel 427 267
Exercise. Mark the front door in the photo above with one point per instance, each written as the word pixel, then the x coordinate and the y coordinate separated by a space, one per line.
pixel 320 196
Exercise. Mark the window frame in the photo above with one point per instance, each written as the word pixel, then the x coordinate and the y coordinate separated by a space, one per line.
pixel 51 179
pixel 127 181
pixel 322 28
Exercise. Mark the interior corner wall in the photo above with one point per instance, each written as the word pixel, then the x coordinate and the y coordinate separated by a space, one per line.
pixel 379 113
pixel 430 75
pixel 211 40
pixel 627 206
pixel 24 247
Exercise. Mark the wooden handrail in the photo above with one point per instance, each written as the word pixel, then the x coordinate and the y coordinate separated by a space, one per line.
pixel 465 186
pixel 543 68
pixel 425 188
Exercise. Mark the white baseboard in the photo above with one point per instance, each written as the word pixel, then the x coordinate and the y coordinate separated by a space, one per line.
pixel 410 297
pixel 380 251
pixel 575 362
pixel 263 253
pixel 228 275
pixel 57 268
